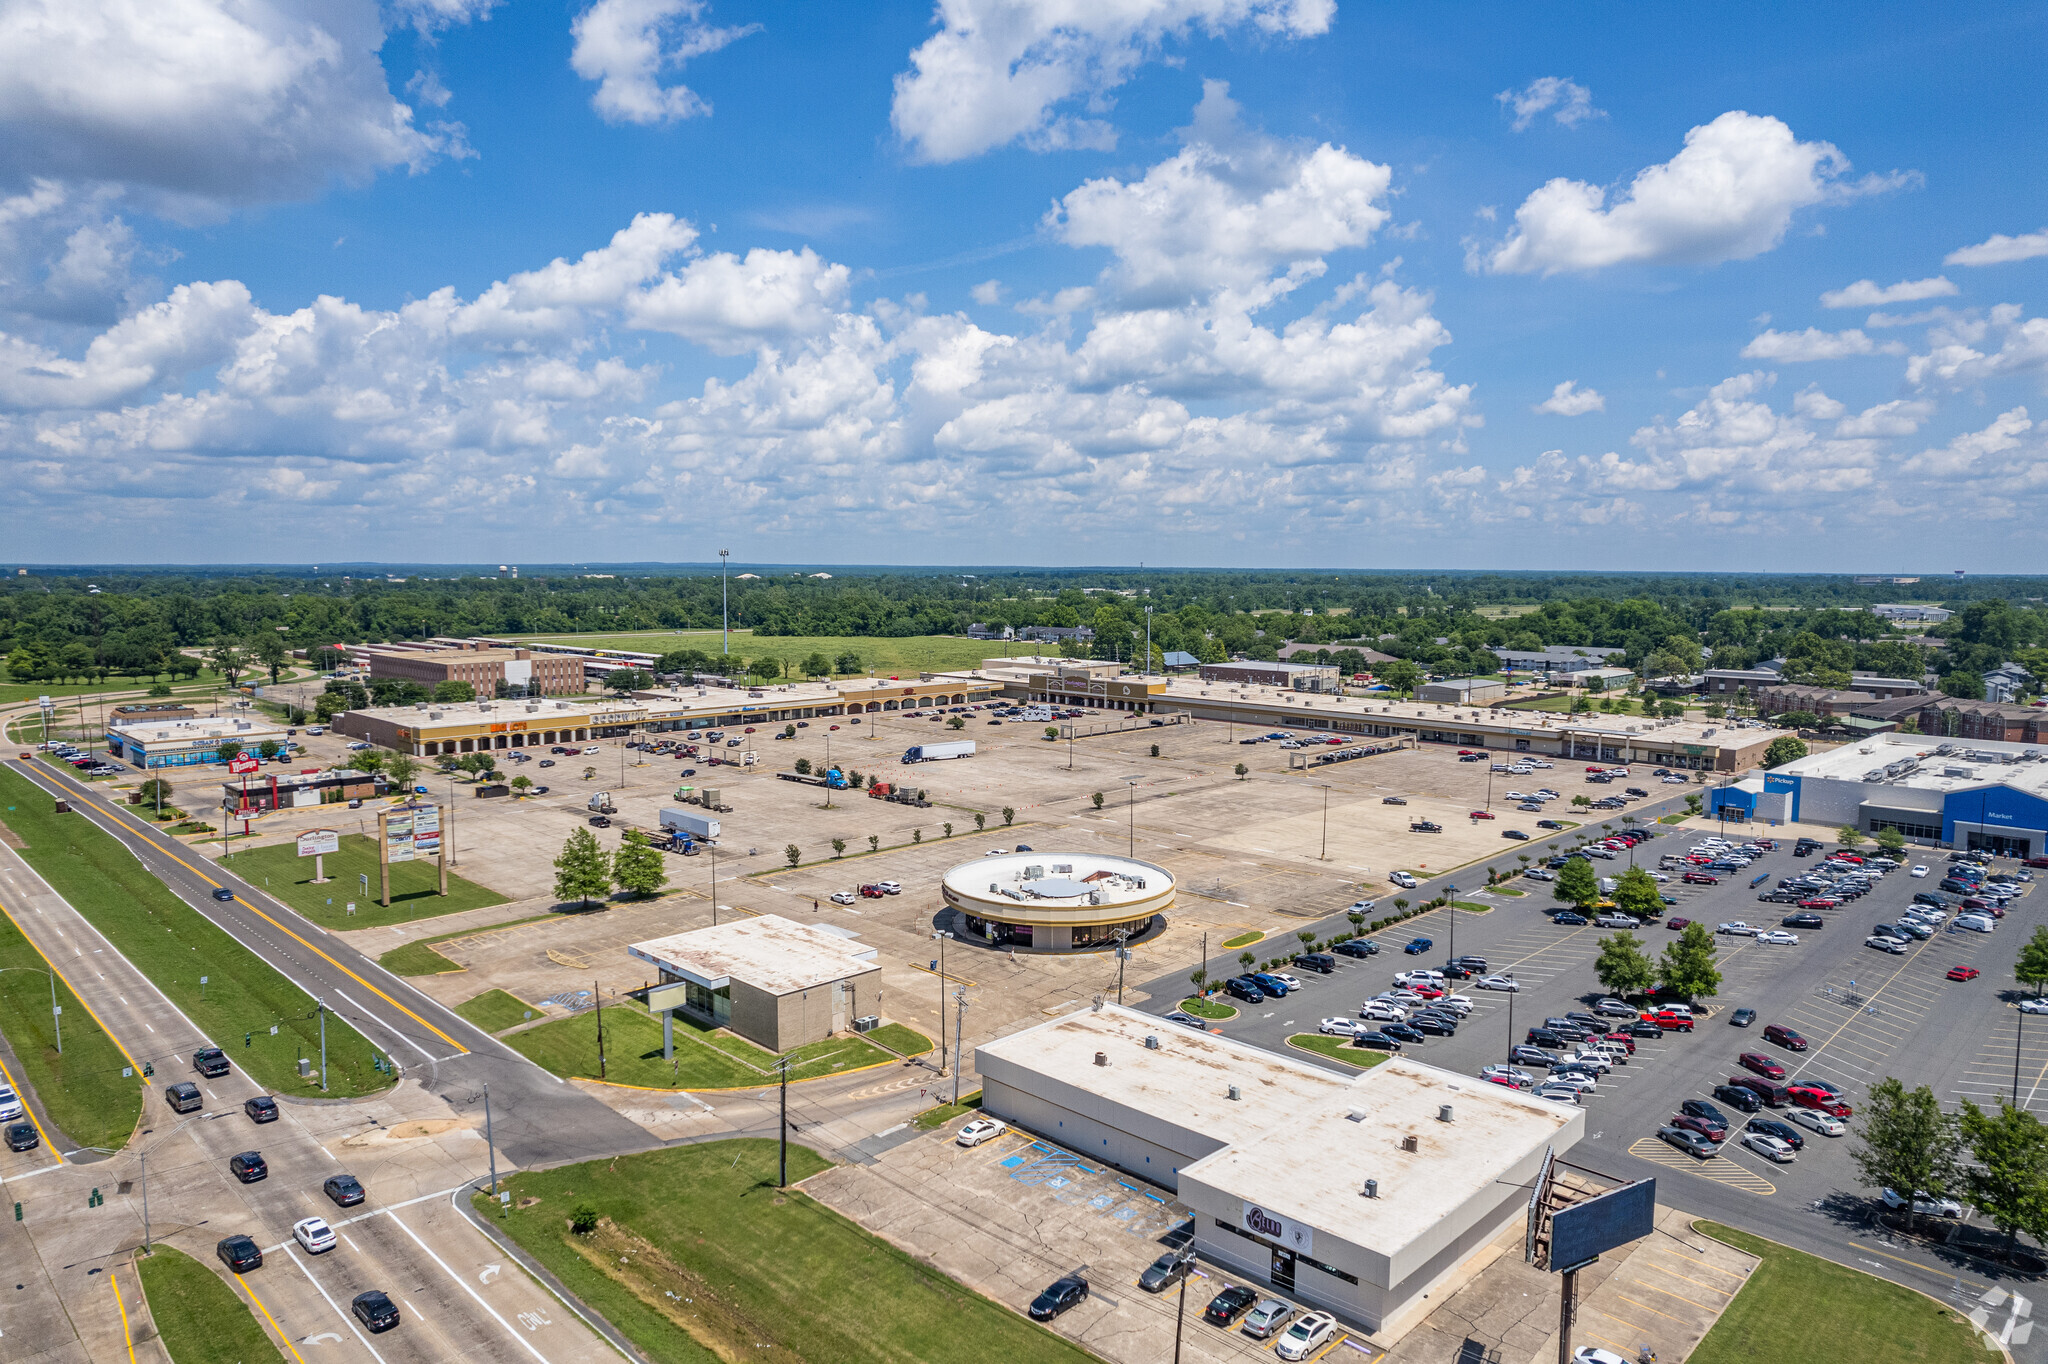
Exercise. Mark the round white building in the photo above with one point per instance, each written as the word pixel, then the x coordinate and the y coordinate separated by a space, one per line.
pixel 1058 901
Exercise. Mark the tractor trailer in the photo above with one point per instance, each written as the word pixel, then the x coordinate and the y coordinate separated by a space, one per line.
pixel 700 828
pixel 925 753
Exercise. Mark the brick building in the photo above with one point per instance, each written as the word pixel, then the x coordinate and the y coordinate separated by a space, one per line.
pixel 482 667
pixel 1959 718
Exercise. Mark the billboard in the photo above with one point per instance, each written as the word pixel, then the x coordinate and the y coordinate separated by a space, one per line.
pixel 315 841
pixel 398 837
pixel 426 831
pixel 1584 1231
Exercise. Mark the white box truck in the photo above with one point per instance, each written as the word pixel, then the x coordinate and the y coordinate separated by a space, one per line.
pixel 925 753
pixel 702 828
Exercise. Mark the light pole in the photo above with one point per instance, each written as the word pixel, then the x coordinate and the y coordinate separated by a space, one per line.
pixel 714 883
pixel 724 613
pixel 942 935
pixel 56 1009
pixel 1325 854
pixel 959 1027
pixel 1131 811
pixel 1148 642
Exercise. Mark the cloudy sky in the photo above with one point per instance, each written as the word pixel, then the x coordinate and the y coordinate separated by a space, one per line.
pixel 1235 282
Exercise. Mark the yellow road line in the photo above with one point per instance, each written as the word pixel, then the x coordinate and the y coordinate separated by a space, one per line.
pixel 29 1109
pixel 272 1320
pixel 126 1335
pixel 132 1062
pixel 310 947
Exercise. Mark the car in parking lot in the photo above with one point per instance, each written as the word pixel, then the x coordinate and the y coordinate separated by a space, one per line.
pixel 1963 973
pixel 1803 919
pixel 2036 1005
pixel 1670 1021
pixel 1924 1203
pixel 239 1253
pixel 1309 1333
pixel 1267 1318
pixel 979 1131
pixel 1342 1027
pixel 1418 946
pixel 1572 1078
pixel 1244 988
pixel 1742 1018
pixel 1886 943
pixel 1569 918
pixel 1771 1148
pixel 1761 1064
pixel 1785 1037
pixel 1778 937
pixel 1377 1040
pixel 1166 1271
pixel 1507 1076
pixel 1692 1142
pixel 1807 1097
pixel 1226 1307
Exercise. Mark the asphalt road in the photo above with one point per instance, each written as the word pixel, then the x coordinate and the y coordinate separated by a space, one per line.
pixel 1908 1021
pixel 537 1120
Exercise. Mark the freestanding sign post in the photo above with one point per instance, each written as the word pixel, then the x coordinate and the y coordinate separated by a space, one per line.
pixel 316 844
pixel 406 833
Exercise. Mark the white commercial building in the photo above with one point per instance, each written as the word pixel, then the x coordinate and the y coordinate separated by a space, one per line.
pixel 774 981
pixel 1273 1155
pixel 191 743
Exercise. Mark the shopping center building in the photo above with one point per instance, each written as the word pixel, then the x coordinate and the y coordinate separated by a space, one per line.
pixel 1059 901
pixel 1359 1194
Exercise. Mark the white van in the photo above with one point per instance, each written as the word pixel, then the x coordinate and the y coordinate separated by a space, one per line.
pixel 1977 923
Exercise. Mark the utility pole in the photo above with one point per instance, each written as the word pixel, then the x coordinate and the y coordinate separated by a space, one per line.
pixel 597 994
pixel 320 1007
pixel 145 1202
pixel 782 1174
pixel 959 1022
pixel 941 936
pixel 1122 955
pixel 724 612
pixel 489 1145
pixel 714 887
pixel 56 1014
pixel 1131 810
pixel 1180 1313
pixel 1325 855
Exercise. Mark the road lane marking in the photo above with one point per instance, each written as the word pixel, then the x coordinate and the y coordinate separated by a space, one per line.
pixel 345 1316
pixel 127 1337
pixel 407 1040
pixel 272 1320
pixel 137 1065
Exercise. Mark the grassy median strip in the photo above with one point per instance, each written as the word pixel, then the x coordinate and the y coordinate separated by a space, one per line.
pixel 696 1256
pixel 704 1058
pixel 415 886
pixel 1337 1049
pixel 495 1011
pixel 1793 1299
pixel 174 945
pixel 417 959
pixel 897 1038
pixel 81 1089
pixel 199 1317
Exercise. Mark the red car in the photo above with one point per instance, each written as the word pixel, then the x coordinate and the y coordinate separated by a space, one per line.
pixel 1761 1064
pixel 1963 973
pixel 1808 1096
pixel 1677 922
pixel 1426 990
pixel 1712 1131
pixel 1669 1022
pixel 1784 1037
pixel 1622 1040
pixel 1701 878
pixel 1819 902
pixel 1596 768
pixel 1482 814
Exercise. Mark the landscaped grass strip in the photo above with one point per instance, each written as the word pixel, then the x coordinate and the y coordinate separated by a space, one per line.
pixel 415 892
pixel 495 1011
pixel 632 1047
pixel 82 1089
pixel 199 1317
pixel 1793 1299
pixel 775 1272
pixel 174 945
pixel 416 959
pixel 1337 1049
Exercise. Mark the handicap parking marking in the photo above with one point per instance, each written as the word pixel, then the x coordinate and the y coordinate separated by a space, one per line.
pixel 1657 1152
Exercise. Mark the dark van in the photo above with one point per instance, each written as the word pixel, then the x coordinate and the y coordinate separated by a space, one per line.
pixel 1244 988
pixel 1770 1091
pixel 1321 962
pixel 184 1098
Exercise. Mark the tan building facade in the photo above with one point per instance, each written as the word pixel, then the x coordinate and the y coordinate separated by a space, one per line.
pixel 482 668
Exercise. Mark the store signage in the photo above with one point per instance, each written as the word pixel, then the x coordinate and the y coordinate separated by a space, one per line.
pixel 1295 1236
pixel 426 831
pixel 316 841
pixel 243 766
pixel 398 837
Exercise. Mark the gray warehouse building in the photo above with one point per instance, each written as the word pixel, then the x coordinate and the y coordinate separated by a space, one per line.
pixel 774 981
pixel 1357 1194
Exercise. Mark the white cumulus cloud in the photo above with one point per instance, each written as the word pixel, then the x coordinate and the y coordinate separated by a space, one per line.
pixel 1729 194
pixel 1999 249
pixel 1563 99
pixel 1569 400
pixel 1866 293
pixel 627 45
pixel 730 304
pixel 1000 71
pixel 1814 344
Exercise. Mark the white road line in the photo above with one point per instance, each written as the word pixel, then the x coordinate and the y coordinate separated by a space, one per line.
pixel 471 1291
pixel 348 1317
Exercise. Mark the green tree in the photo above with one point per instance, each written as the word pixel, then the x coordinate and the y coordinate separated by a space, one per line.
pixel 846 663
pixel 2007 1177
pixel 1687 967
pixel 159 690
pixel 874 842
pixel 1891 842
pixel 1849 836
pixel 1635 893
pixel 1670 710
pixel 817 665
pixel 1692 805
pixel 157 790
pixel 1968 686
pixel 227 659
pixel 623 681
pixel 1400 674
pixel 1623 968
pixel 1576 884
pixel 948 830
pixel 794 854
pixel 229 750
pixel 1904 1141
pixel 1009 814
pixel 803 767
pixel 2031 967
pixel 1247 960
pixel 1198 977
pixel 522 783
pixel 583 871
pixel 1051 731
pixel 1240 770
pixel 1097 798
pixel 1784 749
pixel 955 722
pixel 452 691
pixel 369 760
pixel 401 768
pixel 980 821
pixel 269 650
pixel 838 846
pixel 269 748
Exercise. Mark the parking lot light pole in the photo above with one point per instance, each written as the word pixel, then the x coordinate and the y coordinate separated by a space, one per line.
pixel 724 613
pixel 1131 810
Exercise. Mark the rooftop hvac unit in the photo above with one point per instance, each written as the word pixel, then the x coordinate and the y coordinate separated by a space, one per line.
pixel 1235 1093
pixel 1443 1113
pixel 433 715
pixel 1151 1042
pixel 1355 1114
pixel 1101 1058
pixel 1409 1143
pixel 1371 1189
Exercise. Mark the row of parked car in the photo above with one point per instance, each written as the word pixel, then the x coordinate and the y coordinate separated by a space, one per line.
pixel 1295 1334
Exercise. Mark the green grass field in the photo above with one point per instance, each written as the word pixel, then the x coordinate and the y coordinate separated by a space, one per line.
pixel 932 1119
pixel 1207 1008
pixel 704 1059
pixel 883 654
pixel 174 945
pixel 1243 939
pixel 897 1038
pixel 82 1089
pixel 200 1318
pixel 495 1011
pixel 1337 1049
pixel 700 1258
pixel 416 959
pixel 279 869
pixel 1794 1299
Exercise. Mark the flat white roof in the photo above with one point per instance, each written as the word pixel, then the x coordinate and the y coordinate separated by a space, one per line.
pixel 1058 878
pixel 1310 1163
pixel 204 727
pixel 1186 1081
pixel 1925 762
pixel 776 955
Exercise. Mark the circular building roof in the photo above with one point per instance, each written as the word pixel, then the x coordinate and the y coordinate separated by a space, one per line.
pixel 1058 888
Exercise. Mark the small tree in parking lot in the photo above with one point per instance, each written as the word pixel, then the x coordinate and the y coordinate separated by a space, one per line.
pixel 1891 842
pixel 874 842
pixel 793 853
pixel 803 767
pixel 946 830
pixel 522 784
pixel 1247 960
pixel 1008 815
pixel 2006 1178
pixel 1576 884
pixel 1687 968
pixel 1635 893
pixel 637 867
pixel 1240 770
pixel 1849 836
pixel 1097 798
pixel 2032 966
pixel 980 821
pixel 401 768
pixel 1307 937
pixel 1198 978
pixel 1623 968
pixel 838 846
pixel 1904 1141
pixel 583 872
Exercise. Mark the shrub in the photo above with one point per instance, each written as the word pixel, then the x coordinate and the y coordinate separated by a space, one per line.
pixel 583 1219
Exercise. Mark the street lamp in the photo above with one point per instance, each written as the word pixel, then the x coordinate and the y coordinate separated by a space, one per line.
pixel 56 1009
pixel 1131 808
pixel 724 614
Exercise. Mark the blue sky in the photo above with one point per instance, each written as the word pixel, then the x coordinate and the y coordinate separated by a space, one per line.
pixel 1236 282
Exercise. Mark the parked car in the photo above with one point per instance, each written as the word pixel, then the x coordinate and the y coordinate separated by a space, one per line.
pixel 1691 1142
pixel 979 1131
pixel 1264 1320
pixel 1926 1204
pixel 1226 1307
pixel 1418 946
pixel 1774 1149
pixel 1738 1098
pixel 1503 982
pixel 1166 1271
pixel 1307 1335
